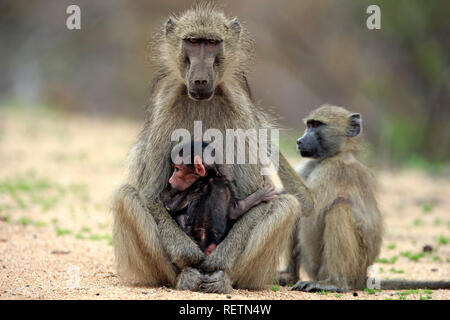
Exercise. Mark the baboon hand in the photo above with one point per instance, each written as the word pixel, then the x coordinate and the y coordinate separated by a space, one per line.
pixel 217 282
pixel 189 279
pixel 268 192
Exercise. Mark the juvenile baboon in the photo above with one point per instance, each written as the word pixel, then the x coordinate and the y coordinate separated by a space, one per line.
pixel 203 57
pixel 200 197
pixel 342 237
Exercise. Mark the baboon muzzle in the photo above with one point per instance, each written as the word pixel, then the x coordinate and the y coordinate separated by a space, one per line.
pixel 200 85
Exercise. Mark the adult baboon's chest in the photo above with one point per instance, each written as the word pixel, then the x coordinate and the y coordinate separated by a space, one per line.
pixel 208 121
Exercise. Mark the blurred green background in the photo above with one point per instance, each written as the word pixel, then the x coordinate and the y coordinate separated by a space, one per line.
pixel 307 53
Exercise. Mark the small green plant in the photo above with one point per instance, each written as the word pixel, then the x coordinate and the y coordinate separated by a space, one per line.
pixel 275 288
pixel 98 237
pixel 40 223
pixel 323 292
pixel 427 207
pixel 405 254
pixel 437 222
pixel 27 189
pixel 25 221
pixel 369 291
pixel 61 232
pixel 417 256
pixel 443 240
pixel 337 295
pixel 412 256
pixel 417 222
pixel 386 260
pixel 393 270
pixel 428 291
pixel 408 292
pixel 392 246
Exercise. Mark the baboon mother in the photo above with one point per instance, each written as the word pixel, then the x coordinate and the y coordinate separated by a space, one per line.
pixel 203 59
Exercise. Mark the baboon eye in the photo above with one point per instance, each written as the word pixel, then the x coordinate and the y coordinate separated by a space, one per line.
pixel 193 40
pixel 213 41
pixel 314 124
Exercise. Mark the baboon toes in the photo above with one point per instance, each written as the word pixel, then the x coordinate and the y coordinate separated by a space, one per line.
pixel 189 279
pixel 217 282
pixel 285 278
pixel 308 286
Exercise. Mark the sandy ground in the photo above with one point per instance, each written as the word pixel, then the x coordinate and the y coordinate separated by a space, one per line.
pixel 57 173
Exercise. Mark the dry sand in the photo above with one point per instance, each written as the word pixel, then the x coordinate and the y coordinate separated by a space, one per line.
pixel 57 173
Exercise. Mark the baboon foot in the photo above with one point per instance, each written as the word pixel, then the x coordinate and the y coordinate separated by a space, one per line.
pixel 217 282
pixel 308 286
pixel 189 279
pixel 286 278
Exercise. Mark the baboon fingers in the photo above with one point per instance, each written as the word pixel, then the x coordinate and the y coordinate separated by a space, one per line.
pixel 217 282
pixel 189 279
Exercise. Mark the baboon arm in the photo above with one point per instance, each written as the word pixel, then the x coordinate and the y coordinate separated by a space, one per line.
pixel 343 259
pixel 240 207
pixel 180 248
pixel 294 184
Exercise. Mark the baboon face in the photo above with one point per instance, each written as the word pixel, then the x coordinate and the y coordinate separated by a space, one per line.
pixel 201 57
pixel 205 46
pixel 184 176
pixel 325 137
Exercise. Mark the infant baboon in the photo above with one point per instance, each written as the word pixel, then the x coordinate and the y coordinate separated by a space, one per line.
pixel 201 198
pixel 341 239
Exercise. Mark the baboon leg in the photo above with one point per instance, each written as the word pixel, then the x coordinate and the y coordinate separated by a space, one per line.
pixel 290 275
pixel 343 264
pixel 258 263
pixel 139 255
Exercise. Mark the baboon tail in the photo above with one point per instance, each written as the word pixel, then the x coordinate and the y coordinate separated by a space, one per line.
pixel 406 284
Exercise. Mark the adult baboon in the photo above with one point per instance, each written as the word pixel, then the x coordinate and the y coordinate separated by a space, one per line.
pixel 341 239
pixel 203 57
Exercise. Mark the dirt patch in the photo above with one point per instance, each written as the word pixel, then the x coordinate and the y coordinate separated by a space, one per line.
pixel 56 178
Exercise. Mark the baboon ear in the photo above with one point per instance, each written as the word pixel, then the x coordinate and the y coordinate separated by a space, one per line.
pixel 170 25
pixel 235 25
pixel 354 127
pixel 199 167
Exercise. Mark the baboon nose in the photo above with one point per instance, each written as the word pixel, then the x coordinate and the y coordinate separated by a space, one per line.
pixel 299 142
pixel 201 82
